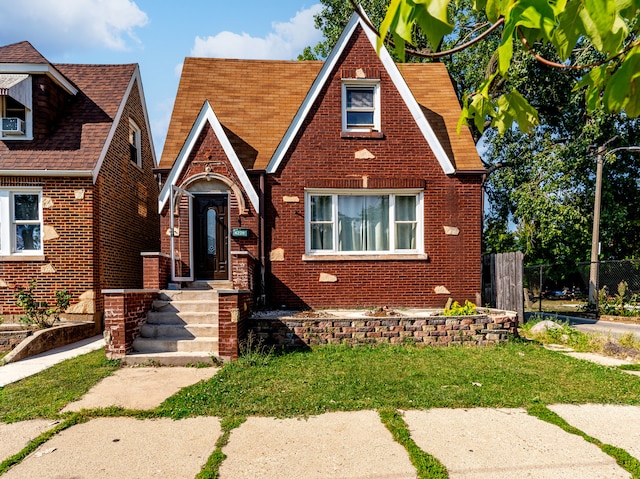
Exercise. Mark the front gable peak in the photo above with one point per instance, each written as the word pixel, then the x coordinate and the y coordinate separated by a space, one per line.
pixel 361 74
pixel 207 117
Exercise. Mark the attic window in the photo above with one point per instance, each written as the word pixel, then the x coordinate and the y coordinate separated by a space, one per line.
pixel 135 144
pixel 361 105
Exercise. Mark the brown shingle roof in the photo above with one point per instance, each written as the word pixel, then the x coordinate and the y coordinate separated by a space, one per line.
pixel 22 52
pixel 432 88
pixel 80 134
pixel 256 101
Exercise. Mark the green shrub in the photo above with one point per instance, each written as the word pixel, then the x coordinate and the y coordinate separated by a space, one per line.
pixel 468 309
pixel 39 312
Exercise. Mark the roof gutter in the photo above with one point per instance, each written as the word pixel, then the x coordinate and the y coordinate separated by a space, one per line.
pixel 67 173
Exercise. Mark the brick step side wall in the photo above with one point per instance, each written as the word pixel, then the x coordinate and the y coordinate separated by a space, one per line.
pixel 291 333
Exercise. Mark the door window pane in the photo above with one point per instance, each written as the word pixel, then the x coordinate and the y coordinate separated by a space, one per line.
pixel 211 231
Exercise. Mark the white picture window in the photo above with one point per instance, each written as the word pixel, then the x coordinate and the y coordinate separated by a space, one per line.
pixel 353 222
pixel 20 222
pixel 361 105
pixel 135 143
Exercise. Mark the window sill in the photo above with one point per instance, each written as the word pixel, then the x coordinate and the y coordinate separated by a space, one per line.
pixel 366 257
pixel 374 135
pixel 24 257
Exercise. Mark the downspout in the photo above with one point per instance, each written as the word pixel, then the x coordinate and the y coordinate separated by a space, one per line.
pixel 261 242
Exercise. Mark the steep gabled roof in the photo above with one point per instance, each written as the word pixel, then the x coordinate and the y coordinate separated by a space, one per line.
pixel 255 101
pixel 261 105
pixel 79 142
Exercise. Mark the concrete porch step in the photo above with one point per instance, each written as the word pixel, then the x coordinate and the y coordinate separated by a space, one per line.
pixel 184 331
pixel 176 344
pixel 188 295
pixel 195 306
pixel 171 359
pixel 173 317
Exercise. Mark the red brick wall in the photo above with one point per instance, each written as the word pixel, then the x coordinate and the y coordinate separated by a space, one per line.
pixel 126 204
pixel 320 154
pixel 233 322
pixel 70 255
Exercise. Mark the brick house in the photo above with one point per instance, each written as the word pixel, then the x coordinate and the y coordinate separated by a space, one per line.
pixel 341 183
pixel 78 196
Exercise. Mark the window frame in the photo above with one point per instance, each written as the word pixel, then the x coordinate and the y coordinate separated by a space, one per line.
pixel 8 222
pixel 393 224
pixel 137 143
pixel 355 84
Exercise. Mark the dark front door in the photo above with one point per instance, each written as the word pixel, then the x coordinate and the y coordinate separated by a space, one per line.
pixel 211 237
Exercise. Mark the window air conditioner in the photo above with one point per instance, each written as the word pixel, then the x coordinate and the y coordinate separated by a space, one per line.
pixel 12 126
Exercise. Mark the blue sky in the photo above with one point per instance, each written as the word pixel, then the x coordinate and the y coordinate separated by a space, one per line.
pixel 158 34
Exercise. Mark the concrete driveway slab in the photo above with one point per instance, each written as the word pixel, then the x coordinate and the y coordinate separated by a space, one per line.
pixel 140 388
pixel 124 448
pixel 14 437
pixel 346 445
pixel 505 444
pixel 612 424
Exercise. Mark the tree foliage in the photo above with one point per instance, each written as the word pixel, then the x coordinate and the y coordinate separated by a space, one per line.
pixel 570 29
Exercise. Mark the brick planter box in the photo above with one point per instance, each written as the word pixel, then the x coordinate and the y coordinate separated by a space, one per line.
pixel 291 332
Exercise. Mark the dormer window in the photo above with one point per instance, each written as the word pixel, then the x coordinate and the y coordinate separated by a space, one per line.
pixel 361 105
pixel 15 107
pixel 135 143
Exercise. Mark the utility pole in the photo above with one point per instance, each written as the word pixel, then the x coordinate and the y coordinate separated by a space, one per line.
pixel 594 267
pixel 595 236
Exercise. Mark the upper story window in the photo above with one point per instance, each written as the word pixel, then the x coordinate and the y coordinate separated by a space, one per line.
pixel 21 222
pixel 15 107
pixel 356 222
pixel 135 143
pixel 361 105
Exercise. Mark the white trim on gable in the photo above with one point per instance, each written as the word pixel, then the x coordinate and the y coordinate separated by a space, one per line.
pixel 47 68
pixel 116 121
pixel 399 82
pixel 207 115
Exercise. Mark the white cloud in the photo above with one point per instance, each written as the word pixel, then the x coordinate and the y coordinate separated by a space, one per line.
pixel 285 42
pixel 71 23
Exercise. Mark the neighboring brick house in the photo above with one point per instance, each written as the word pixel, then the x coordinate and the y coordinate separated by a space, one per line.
pixel 341 183
pixel 78 196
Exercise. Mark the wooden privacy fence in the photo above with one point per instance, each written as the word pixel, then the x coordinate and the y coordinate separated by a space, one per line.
pixel 502 282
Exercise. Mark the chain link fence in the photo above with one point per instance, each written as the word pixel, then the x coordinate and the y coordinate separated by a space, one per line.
pixel 565 287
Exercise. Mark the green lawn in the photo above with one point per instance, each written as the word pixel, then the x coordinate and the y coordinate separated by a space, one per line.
pixel 401 377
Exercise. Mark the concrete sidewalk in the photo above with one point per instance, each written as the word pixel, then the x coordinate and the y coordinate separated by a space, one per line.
pixel 471 443
pixel 12 372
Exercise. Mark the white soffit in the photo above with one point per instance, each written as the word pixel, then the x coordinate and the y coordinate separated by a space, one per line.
pixel 17 86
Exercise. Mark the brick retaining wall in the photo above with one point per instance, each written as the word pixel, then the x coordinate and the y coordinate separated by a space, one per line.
pixel 124 312
pixel 291 332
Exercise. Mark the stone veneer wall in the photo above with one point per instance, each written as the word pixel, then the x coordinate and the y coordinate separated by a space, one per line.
pixel 480 330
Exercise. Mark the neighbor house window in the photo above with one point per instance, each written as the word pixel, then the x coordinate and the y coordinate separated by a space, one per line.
pixel 361 105
pixel 15 107
pixel 356 223
pixel 20 222
pixel 135 143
